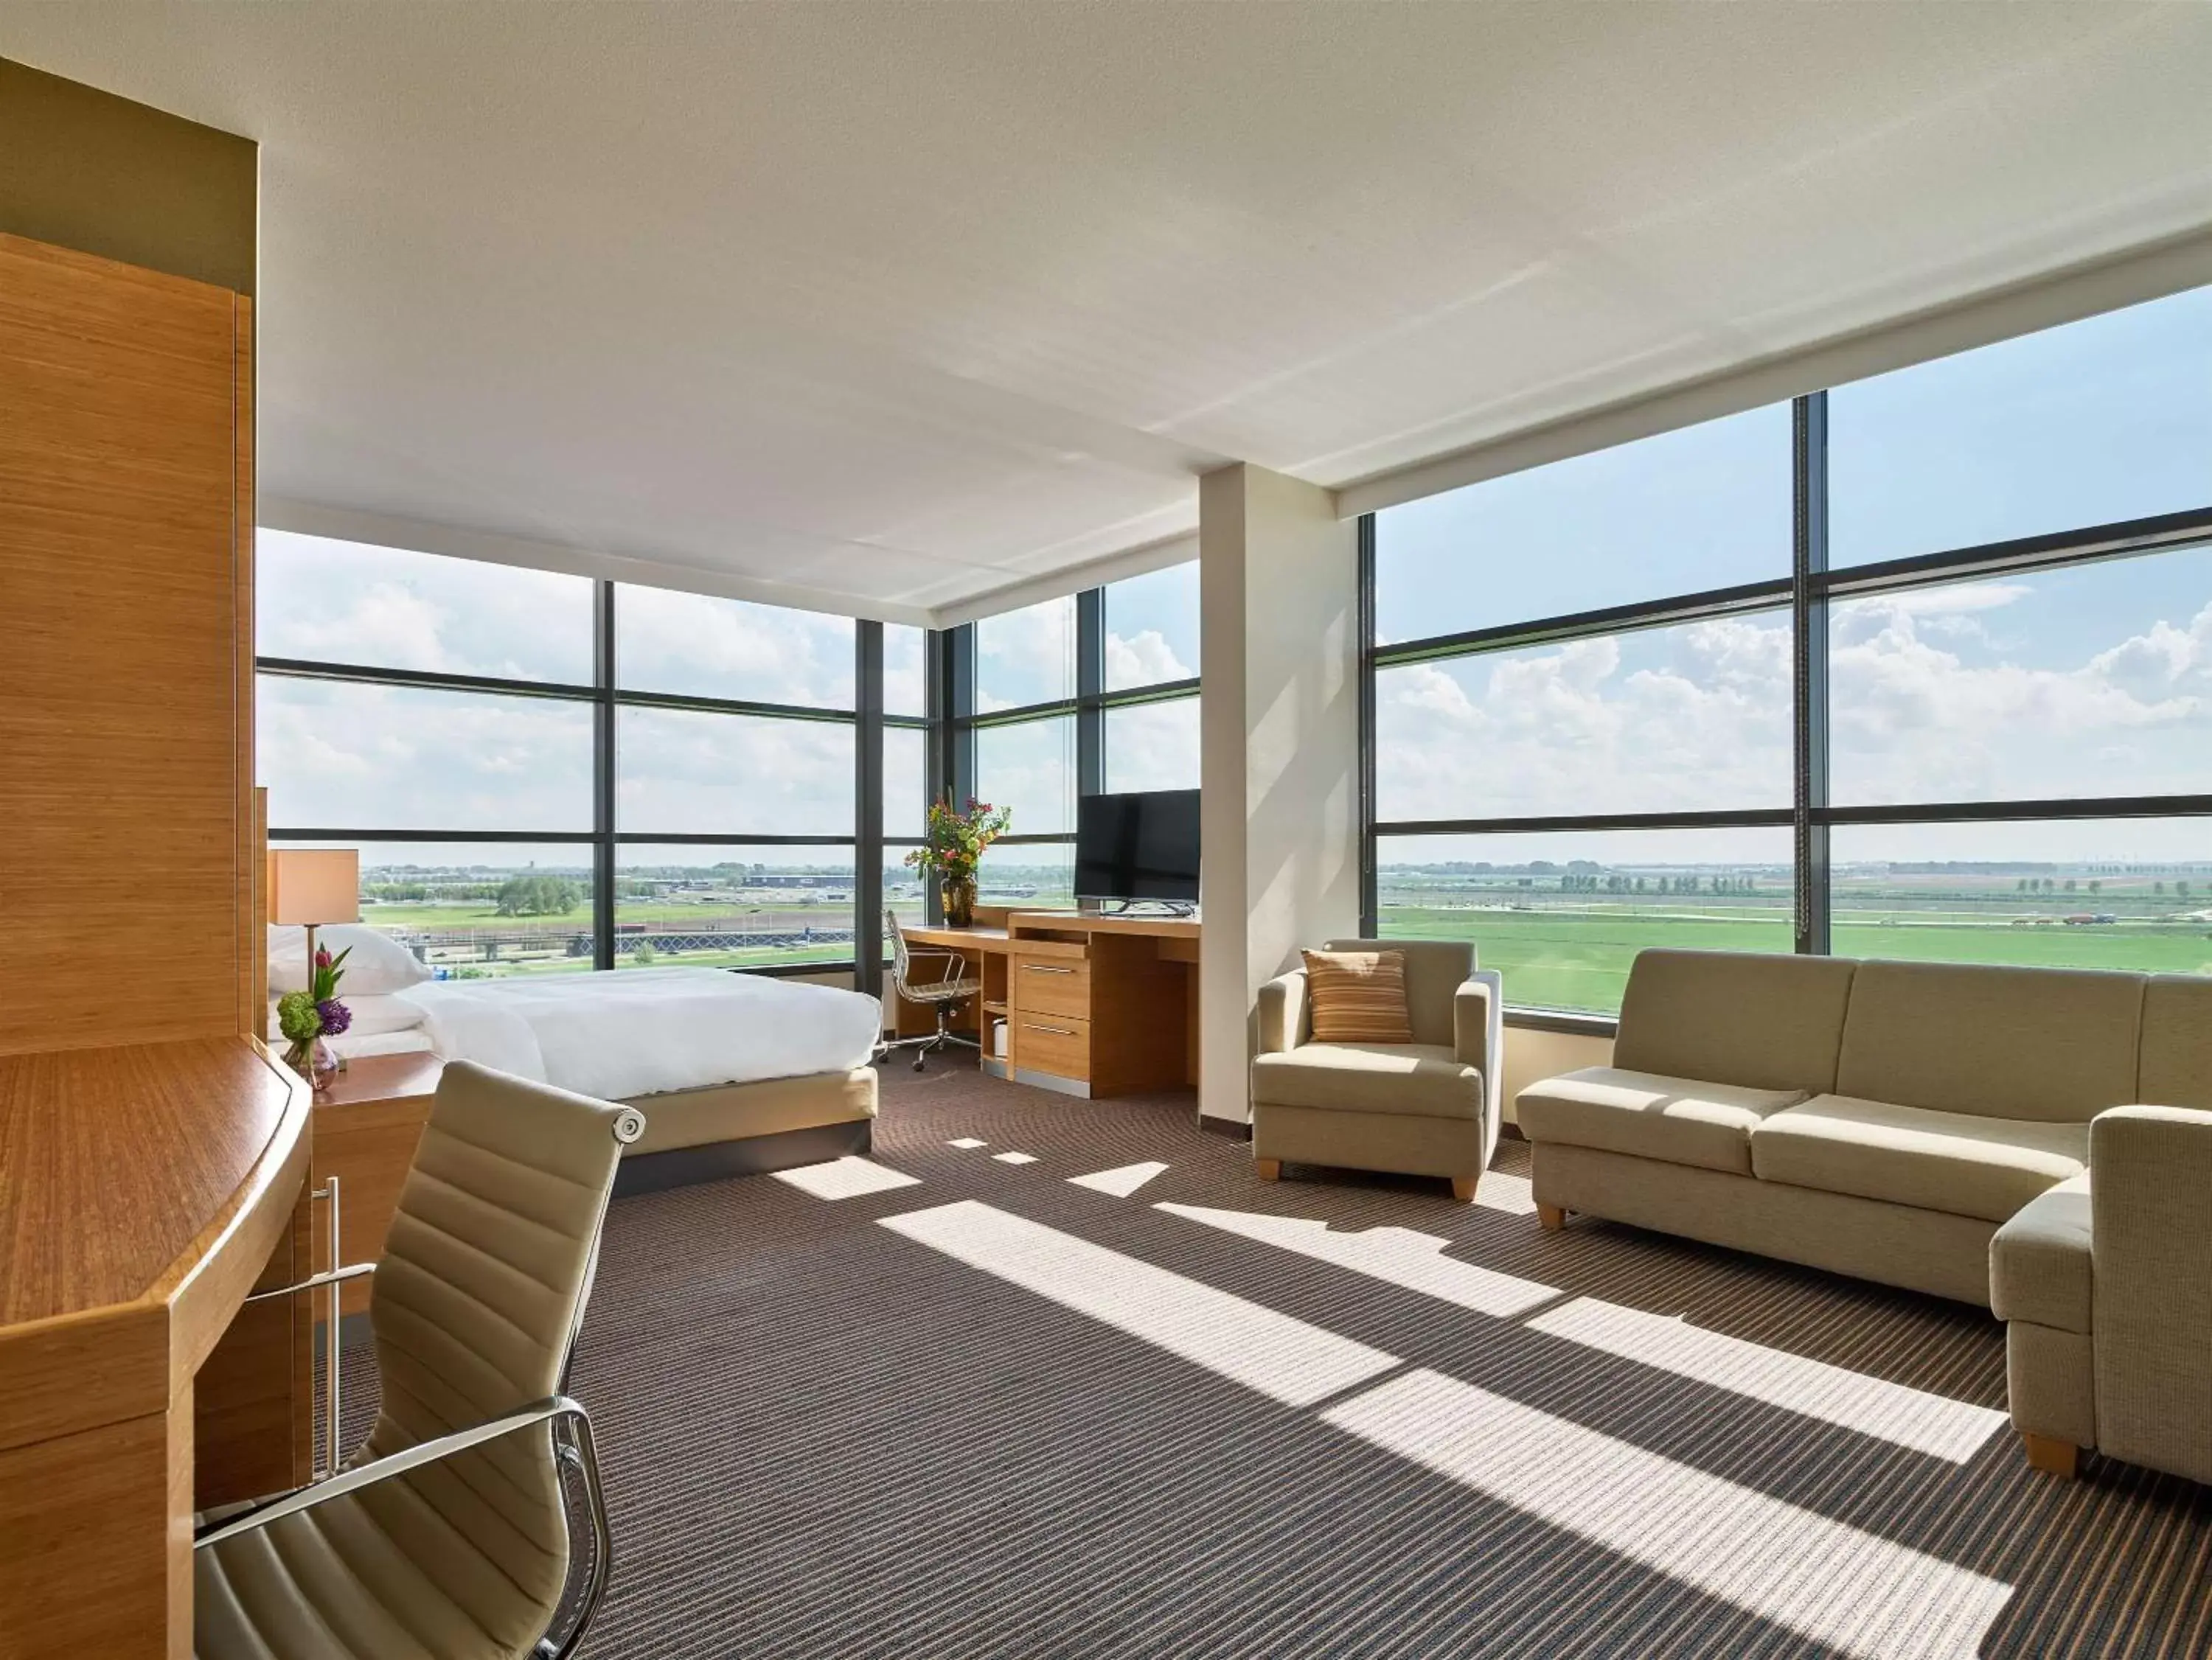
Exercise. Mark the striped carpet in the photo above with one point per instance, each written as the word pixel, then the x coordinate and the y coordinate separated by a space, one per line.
pixel 992 1411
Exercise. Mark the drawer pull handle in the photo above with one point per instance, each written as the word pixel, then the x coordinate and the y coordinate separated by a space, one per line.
pixel 1045 968
pixel 1056 1031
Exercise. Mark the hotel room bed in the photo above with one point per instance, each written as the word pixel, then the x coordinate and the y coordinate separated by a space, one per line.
pixel 735 1073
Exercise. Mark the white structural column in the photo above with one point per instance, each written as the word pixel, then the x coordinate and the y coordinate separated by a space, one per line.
pixel 1278 577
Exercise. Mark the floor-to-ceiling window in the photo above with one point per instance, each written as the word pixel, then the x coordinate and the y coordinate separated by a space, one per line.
pixel 1090 692
pixel 546 773
pixel 1920 666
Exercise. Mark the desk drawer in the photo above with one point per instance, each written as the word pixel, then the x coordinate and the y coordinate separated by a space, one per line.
pixel 1049 986
pixel 1053 1043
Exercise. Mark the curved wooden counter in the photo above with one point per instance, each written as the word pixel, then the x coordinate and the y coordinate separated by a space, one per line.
pixel 143 1191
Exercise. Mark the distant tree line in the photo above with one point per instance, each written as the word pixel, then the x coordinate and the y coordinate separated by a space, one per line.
pixel 538 896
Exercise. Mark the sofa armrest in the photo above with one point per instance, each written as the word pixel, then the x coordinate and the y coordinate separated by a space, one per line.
pixel 2039 1261
pixel 1283 1022
pixel 1478 1020
pixel 2151 1168
pixel 1478 1041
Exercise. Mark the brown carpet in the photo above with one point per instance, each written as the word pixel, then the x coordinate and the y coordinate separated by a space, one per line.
pixel 824 1438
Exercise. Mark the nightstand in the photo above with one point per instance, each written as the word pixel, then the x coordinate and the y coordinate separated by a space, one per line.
pixel 366 1123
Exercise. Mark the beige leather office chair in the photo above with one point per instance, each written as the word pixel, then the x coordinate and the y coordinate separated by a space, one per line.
pixel 945 992
pixel 446 1536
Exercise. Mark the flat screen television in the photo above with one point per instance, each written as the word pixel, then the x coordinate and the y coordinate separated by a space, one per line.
pixel 1138 845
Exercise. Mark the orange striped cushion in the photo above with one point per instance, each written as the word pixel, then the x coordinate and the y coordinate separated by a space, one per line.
pixel 1359 996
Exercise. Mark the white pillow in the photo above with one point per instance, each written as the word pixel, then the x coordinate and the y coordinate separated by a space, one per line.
pixel 379 964
pixel 375 1014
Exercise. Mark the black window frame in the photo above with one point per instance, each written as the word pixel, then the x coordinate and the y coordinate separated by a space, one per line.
pixel 604 696
pixel 952 691
pixel 1806 593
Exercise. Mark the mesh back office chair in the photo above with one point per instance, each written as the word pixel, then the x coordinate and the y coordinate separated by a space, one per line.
pixel 945 992
pixel 445 1538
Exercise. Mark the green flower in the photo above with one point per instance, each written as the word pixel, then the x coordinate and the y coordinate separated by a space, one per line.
pixel 297 1017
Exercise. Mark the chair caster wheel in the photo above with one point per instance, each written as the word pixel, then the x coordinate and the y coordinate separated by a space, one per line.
pixel 917 1063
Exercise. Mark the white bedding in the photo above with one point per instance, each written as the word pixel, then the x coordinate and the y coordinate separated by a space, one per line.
pixel 619 1033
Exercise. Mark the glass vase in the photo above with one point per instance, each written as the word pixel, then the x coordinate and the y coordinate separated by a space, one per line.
pixel 960 901
pixel 314 1060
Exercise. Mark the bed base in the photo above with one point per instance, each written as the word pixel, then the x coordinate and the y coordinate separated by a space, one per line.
pixel 749 1155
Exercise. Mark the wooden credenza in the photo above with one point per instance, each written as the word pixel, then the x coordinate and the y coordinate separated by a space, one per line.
pixel 144 1192
pixel 1094 1005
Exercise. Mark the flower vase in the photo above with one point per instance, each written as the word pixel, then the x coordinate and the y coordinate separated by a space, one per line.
pixel 960 901
pixel 314 1060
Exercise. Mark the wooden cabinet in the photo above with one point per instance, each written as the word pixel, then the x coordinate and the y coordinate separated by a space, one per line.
pixel 1094 1005
pixel 126 809
pixel 366 1123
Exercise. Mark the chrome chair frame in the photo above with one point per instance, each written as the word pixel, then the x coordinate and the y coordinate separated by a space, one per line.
pixel 943 995
pixel 571 1428
pixel 573 1446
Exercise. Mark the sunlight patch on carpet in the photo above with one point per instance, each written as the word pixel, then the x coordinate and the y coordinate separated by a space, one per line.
pixel 1015 1157
pixel 1399 1256
pixel 1121 1183
pixel 1850 1591
pixel 1934 1424
pixel 1500 1189
pixel 967 1141
pixel 848 1178
pixel 1285 1359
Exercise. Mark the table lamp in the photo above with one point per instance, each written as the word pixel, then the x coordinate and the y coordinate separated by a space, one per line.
pixel 309 887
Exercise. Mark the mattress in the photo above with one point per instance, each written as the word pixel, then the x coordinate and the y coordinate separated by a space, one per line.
pixel 620 1033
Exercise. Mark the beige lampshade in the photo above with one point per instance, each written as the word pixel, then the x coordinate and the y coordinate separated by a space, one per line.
pixel 314 885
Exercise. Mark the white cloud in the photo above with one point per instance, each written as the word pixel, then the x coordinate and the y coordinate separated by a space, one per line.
pixel 1143 659
pixel 1962 720
pixel 1025 656
pixel 1679 719
pixel 1153 745
pixel 672 642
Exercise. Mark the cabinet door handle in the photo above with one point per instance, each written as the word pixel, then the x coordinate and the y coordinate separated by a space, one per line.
pixel 1056 1031
pixel 1045 968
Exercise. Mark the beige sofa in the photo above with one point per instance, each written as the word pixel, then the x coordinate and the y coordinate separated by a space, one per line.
pixel 1936 1126
pixel 2108 1306
pixel 1428 1108
pixel 1877 1118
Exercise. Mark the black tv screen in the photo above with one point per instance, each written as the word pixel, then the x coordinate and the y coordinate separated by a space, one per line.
pixel 1141 845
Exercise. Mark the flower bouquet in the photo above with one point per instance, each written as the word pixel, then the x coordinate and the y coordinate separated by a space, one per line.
pixel 953 846
pixel 307 1018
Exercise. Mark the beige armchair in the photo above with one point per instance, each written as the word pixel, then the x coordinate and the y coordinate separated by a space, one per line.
pixel 1427 1108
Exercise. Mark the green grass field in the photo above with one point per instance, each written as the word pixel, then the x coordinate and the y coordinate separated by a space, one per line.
pixel 1579 959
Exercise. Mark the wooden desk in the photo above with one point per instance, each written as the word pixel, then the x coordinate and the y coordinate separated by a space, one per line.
pixel 143 1192
pixel 1094 1005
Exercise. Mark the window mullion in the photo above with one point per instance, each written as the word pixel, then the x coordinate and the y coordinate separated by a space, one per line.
pixel 868 810
pixel 603 776
pixel 1809 671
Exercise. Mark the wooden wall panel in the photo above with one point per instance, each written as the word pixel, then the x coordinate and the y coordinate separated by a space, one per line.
pixel 124 819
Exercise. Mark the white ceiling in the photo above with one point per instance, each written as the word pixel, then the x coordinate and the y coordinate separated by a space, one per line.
pixel 891 306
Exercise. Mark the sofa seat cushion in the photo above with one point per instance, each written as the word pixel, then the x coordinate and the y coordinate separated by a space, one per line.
pixel 1422 1078
pixel 1959 1162
pixel 1648 1116
pixel 2039 1260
